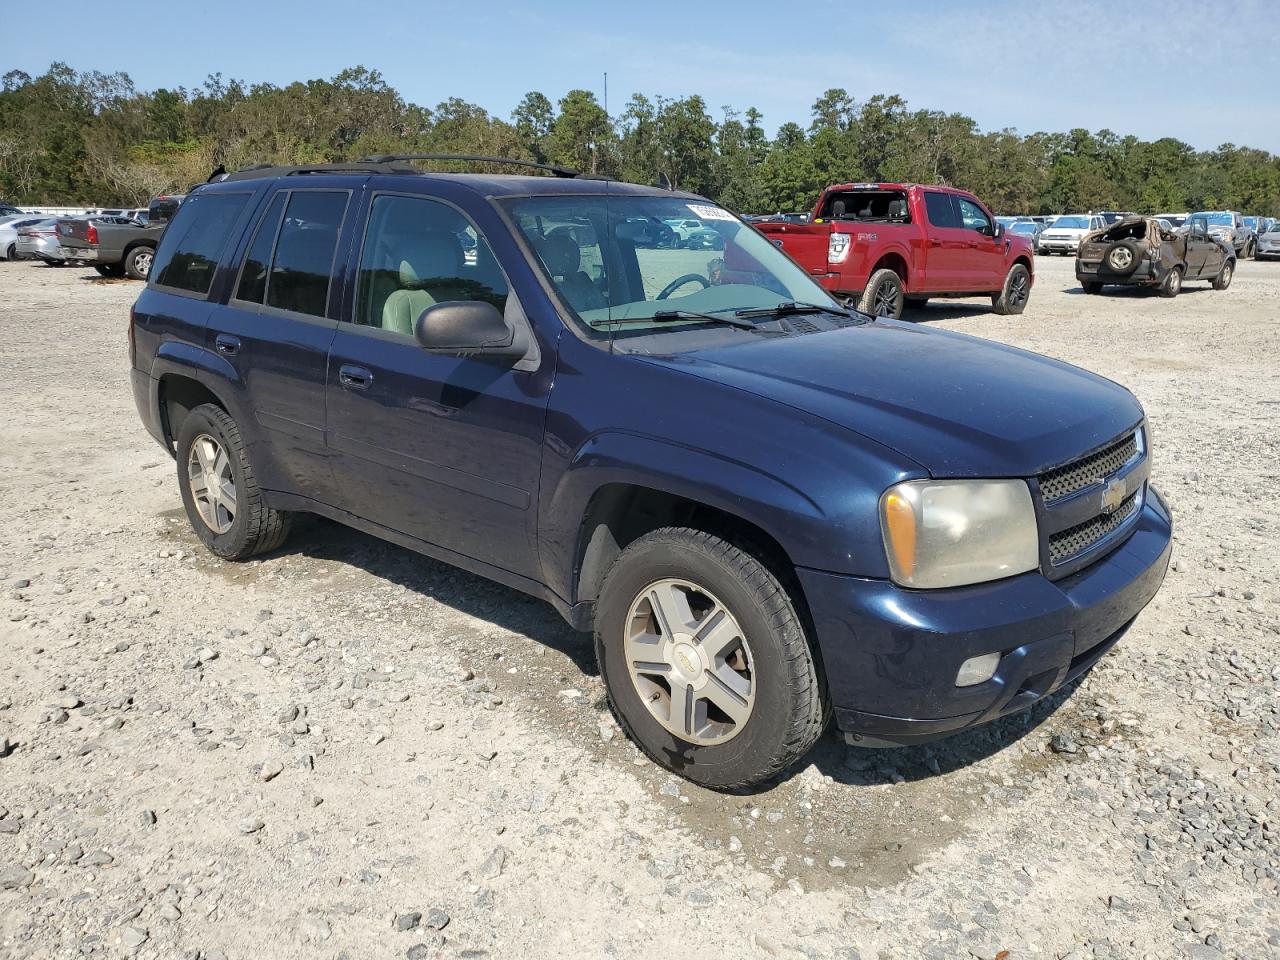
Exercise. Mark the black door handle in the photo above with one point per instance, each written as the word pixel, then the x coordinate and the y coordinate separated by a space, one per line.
pixel 226 344
pixel 354 378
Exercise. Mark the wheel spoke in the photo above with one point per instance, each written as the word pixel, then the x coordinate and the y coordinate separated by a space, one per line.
pixel 671 607
pixel 735 705
pixel 681 708
pixel 716 633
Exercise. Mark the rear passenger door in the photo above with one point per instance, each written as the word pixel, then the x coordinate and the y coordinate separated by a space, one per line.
pixel 443 448
pixel 276 330
pixel 947 244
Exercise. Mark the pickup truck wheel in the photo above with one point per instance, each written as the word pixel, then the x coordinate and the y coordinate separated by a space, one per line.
pixel 220 489
pixel 137 262
pixel 109 269
pixel 883 295
pixel 1223 279
pixel 1017 290
pixel 1172 283
pixel 706 661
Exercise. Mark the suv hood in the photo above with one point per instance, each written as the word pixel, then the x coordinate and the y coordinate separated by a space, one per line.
pixel 957 405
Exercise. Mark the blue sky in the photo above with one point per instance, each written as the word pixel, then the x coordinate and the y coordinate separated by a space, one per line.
pixel 1204 72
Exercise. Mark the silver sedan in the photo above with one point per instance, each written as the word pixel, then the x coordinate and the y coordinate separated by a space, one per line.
pixel 9 225
pixel 39 241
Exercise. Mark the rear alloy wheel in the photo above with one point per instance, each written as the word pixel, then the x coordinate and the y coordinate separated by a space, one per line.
pixel 137 262
pixel 706 661
pixel 1017 291
pixel 1171 286
pixel 883 296
pixel 1223 279
pixel 220 489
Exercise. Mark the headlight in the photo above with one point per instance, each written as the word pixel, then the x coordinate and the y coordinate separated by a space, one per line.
pixel 948 533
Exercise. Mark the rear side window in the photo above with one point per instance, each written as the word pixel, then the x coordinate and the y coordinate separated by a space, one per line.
pixel 305 246
pixel 188 254
pixel 940 210
pixel 253 277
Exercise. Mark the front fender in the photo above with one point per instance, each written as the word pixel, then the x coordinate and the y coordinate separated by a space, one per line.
pixel 783 511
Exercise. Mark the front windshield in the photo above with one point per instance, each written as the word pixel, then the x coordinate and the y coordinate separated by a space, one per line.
pixel 1023 227
pixel 1072 223
pixel 628 258
pixel 1218 219
pixel 1251 223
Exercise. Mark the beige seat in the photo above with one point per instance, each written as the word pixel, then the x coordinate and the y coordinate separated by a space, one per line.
pixel 429 272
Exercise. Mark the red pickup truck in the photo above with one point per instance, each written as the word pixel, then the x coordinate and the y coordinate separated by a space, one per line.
pixel 894 244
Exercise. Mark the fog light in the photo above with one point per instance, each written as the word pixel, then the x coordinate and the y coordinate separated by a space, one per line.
pixel 977 670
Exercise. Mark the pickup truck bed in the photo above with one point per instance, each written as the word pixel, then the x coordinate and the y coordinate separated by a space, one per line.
pixel 114 250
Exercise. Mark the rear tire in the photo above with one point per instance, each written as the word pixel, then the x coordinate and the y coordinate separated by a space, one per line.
pixel 776 678
pixel 1223 279
pixel 1017 291
pixel 883 296
pixel 12 253
pixel 1171 286
pixel 237 523
pixel 1092 287
pixel 137 262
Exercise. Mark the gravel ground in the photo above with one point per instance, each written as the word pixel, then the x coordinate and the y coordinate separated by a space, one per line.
pixel 346 750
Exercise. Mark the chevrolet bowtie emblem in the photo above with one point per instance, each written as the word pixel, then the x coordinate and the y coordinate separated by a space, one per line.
pixel 1113 496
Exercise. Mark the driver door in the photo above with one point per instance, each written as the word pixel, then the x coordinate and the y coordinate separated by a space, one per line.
pixel 1200 247
pixel 984 261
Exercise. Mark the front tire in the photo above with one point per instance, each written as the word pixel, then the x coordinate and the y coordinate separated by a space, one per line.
pixel 706 660
pixel 883 296
pixel 1171 285
pixel 137 262
pixel 1223 279
pixel 220 488
pixel 1017 291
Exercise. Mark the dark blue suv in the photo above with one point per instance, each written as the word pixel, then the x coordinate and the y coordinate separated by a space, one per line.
pixel 767 507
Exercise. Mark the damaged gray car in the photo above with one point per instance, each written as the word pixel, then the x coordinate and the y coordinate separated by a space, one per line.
pixel 1140 251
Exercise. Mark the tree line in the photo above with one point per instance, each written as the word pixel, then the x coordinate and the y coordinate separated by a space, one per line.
pixel 70 137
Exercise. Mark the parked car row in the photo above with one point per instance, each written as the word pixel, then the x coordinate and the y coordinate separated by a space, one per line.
pixel 117 243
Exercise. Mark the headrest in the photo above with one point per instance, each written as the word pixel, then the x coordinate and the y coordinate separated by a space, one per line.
pixel 433 254
pixel 560 252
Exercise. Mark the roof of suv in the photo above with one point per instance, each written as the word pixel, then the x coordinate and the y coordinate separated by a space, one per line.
pixel 485 184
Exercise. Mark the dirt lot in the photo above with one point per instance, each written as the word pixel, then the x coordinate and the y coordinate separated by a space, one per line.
pixel 346 750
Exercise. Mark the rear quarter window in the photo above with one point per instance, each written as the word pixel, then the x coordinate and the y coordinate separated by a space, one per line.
pixel 193 243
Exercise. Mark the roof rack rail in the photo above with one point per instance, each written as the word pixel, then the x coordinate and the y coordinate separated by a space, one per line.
pixel 552 168
pixel 259 171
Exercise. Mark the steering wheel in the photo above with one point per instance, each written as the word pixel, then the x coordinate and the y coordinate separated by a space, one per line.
pixel 679 282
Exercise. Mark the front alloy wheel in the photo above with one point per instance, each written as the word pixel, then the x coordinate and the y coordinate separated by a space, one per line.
pixel 690 662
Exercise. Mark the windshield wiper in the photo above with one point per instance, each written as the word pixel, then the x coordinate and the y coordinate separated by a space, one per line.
pixel 674 316
pixel 790 306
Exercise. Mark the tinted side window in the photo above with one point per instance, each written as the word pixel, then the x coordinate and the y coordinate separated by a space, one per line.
pixel 973 216
pixel 188 254
pixel 419 252
pixel 303 261
pixel 940 210
pixel 257 261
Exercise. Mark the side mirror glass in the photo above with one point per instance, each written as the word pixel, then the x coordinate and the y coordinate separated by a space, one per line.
pixel 467 328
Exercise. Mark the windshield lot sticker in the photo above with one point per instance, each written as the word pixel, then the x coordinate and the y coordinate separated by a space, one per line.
pixel 705 211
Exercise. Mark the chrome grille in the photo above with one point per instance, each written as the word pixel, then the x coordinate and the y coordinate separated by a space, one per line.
pixel 1063 481
pixel 1075 540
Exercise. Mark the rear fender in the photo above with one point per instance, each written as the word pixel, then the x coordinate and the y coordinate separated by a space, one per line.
pixel 211 371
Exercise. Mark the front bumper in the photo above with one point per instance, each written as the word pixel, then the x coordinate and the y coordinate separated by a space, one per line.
pixel 891 655
pixel 1057 246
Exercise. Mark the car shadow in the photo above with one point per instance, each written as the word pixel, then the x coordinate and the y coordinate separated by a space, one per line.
pixel 330 542
pixel 1135 292
pixel 468 593
pixel 943 310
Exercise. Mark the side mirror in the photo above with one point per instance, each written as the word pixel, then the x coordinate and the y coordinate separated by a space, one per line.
pixel 466 328
pixel 997 230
